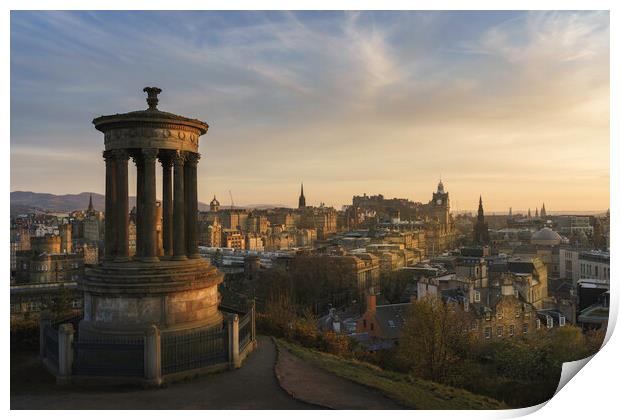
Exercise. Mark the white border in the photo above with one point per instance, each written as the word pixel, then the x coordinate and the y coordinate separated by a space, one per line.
pixel 590 394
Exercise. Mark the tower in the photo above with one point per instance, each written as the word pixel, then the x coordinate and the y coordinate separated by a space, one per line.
pixel 214 206
pixel 302 199
pixel 91 209
pixel 481 228
pixel 543 212
pixel 536 214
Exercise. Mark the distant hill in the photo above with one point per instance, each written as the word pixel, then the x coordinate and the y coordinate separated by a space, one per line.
pixel 27 201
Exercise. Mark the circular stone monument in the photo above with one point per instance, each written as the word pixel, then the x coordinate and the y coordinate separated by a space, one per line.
pixel 173 289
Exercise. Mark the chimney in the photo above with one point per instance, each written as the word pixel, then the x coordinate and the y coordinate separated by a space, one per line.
pixel 372 303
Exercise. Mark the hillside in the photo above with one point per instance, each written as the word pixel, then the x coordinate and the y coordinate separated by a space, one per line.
pixel 27 201
pixel 406 390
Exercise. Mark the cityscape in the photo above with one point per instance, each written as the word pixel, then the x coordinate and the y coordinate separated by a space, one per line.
pixel 135 286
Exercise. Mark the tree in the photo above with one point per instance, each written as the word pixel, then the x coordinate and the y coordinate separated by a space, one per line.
pixel 435 337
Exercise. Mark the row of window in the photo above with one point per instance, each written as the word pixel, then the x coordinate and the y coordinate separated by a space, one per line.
pixel 593 270
pixel 499 331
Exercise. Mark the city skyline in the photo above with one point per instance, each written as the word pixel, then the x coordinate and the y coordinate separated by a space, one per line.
pixel 513 106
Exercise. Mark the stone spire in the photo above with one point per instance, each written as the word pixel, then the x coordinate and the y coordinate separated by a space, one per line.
pixel 90 204
pixel 536 214
pixel 480 211
pixel 543 211
pixel 302 199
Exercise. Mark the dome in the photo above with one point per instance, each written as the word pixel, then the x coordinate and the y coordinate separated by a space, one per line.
pixel 214 202
pixel 546 236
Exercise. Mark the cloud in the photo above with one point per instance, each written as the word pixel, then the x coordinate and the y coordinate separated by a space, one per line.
pixel 347 101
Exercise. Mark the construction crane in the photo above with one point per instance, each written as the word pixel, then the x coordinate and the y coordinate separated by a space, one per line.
pixel 232 203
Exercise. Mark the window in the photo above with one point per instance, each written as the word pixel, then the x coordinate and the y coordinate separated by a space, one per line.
pixel 517 312
pixel 474 326
pixel 562 321
pixel 364 323
pixel 525 327
pixel 476 296
pixel 372 326
pixel 538 324
pixel 487 316
pixel 487 332
pixel 500 331
pixel 549 322
pixel 466 305
pixel 511 330
pixel 500 314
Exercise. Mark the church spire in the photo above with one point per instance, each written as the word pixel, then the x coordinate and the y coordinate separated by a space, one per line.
pixel 302 199
pixel 480 210
pixel 90 204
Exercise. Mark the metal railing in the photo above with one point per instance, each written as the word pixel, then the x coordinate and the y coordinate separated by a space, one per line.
pixel 245 331
pixel 111 357
pixel 50 335
pixel 193 350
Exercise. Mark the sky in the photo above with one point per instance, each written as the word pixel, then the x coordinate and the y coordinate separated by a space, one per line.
pixel 513 106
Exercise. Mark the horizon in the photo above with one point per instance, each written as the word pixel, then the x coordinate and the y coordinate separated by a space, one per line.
pixel 491 212
pixel 513 106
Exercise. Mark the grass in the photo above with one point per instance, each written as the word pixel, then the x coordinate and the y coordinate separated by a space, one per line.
pixel 406 390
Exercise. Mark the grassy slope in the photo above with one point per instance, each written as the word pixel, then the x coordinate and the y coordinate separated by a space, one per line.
pixel 407 391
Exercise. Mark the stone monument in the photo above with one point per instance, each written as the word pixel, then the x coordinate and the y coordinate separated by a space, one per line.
pixel 170 287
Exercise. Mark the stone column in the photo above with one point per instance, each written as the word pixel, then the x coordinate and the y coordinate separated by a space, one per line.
pixel 65 353
pixel 110 199
pixel 137 158
pixel 122 206
pixel 191 204
pixel 152 356
pixel 149 202
pixel 166 164
pixel 234 361
pixel 179 207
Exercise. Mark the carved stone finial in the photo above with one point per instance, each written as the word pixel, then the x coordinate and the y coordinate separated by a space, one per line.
pixel 152 93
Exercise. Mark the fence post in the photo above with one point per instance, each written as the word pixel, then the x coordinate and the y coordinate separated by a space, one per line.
pixel 234 361
pixel 152 356
pixel 44 321
pixel 253 321
pixel 65 353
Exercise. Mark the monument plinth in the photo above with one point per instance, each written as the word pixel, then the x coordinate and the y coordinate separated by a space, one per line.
pixel 173 289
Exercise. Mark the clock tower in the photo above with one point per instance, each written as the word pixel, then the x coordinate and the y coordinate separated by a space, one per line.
pixel 440 205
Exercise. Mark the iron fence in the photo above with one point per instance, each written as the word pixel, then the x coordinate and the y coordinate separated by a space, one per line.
pixel 193 350
pixel 109 357
pixel 245 331
pixel 50 335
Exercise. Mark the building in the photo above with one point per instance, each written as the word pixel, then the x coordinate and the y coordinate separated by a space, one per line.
pixel 481 228
pixel 594 265
pixel 501 312
pixel 302 198
pixel 382 323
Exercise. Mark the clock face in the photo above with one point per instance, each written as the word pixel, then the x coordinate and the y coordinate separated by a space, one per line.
pixel 439 201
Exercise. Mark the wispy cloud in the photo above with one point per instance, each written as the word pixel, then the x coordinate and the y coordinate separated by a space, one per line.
pixel 383 101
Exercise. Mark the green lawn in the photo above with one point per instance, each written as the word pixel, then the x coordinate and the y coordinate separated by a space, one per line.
pixel 404 389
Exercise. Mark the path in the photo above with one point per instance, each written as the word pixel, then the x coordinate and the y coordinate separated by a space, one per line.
pixel 254 386
pixel 309 383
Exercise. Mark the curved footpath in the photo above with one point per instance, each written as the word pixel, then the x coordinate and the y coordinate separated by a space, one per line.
pixel 314 385
pixel 254 386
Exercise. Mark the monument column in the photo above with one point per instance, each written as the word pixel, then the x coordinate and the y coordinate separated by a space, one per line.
pixel 149 202
pixel 166 164
pixel 122 206
pixel 110 198
pixel 179 207
pixel 191 204
pixel 137 158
